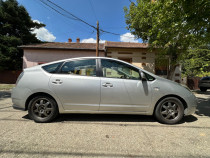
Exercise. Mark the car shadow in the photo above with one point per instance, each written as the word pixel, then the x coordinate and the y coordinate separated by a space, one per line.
pixel 110 118
pixel 115 118
pixel 104 118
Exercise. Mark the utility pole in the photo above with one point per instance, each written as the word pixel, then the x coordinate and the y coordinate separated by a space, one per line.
pixel 97 40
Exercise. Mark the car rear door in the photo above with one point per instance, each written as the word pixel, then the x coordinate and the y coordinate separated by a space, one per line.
pixel 77 85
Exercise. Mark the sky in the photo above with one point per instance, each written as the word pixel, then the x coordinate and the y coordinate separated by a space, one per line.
pixel 59 28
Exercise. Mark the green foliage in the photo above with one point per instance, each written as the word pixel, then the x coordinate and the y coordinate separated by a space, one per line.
pixel 172 25
pixel 197 62
pixel 15 29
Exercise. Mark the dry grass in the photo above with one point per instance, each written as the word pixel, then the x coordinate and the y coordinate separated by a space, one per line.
pixel 6 86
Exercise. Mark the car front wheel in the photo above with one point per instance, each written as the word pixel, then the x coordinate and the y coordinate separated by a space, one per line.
pixel 42 109
pixel 169 110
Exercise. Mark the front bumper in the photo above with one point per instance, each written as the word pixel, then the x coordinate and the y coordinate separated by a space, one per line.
pixel 191 105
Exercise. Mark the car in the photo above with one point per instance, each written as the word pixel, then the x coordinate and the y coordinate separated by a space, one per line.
pixel 204 83
pixel 99 85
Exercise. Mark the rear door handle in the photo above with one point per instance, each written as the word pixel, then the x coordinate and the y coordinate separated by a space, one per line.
pixel 107 85
pixel 57 81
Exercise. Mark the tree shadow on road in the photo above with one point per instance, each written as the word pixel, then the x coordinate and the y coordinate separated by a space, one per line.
pixel 5 95
pixel 203 108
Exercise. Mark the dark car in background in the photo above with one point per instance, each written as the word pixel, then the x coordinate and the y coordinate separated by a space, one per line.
pixel 204 84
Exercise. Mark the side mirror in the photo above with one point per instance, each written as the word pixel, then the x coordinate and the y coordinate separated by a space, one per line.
pixel 143 77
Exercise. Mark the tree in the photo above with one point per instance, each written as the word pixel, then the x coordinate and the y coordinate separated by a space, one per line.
pixel 197 62
pixel 174 26
pixel 15 29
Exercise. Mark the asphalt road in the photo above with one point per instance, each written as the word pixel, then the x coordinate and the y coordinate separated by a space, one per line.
pixel 77 135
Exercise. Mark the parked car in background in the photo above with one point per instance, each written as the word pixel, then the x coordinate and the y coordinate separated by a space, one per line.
pixel 204 83
pixel 99 85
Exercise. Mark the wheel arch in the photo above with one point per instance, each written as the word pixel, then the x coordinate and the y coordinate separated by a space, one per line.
pixel 38 94
pixel 170 95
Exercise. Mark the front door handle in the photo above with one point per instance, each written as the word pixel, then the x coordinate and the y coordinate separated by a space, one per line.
pixel 107 85
pixel 57 81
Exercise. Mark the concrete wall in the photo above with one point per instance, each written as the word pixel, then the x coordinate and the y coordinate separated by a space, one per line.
pixel 177 74
pixel 142 58
pixel 33 57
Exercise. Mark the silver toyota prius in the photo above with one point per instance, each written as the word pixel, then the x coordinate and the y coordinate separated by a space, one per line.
pixel 99 85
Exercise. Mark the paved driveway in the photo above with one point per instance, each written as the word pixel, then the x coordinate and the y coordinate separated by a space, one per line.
pixel 104 135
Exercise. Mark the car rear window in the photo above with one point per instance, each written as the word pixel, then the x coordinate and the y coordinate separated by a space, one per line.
pixel 80 67
pixel 52 68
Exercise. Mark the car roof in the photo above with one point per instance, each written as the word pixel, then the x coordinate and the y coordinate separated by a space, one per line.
pixel 81 58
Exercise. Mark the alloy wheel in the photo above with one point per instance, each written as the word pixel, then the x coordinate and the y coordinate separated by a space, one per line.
pixel 169 110
pixel 42 108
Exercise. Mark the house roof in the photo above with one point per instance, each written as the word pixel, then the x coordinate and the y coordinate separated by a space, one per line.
pixel 125 45
pixel 59 45
pixel 84 46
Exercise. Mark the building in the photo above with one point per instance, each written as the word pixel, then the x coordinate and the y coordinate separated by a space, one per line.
pixel 137 54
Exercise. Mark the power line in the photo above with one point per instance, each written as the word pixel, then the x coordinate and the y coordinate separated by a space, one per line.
pixel 72 14
pixel 91 34
pixel 50 8
pixel 46 5
pixel 110 32
pixel 114 27
pixel 57 10
pixel 77 18
pixel 117 34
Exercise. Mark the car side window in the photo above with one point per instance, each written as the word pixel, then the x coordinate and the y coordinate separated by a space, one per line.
pixel 52 68
pixel 115 69
pixel 149 77
pixel 80 67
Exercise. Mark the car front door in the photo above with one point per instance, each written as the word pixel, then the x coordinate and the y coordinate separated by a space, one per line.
pixel 77 85
pixel 122 89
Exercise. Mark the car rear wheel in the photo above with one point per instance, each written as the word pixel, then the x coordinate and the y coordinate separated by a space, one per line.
pixel 203 89
pixel 42 109
pixel 169 110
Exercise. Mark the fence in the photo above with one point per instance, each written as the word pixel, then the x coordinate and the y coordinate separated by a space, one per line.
pixel 9 77
pixel 192 82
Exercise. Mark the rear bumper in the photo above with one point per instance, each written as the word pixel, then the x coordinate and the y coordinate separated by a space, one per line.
pixel 19 97
pixel 18 108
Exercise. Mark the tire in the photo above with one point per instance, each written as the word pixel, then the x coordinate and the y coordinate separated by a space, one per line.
pixel 169 110
pixel 42 109
pixel 203 89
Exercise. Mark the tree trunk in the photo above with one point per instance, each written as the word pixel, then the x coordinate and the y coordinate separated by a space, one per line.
pixel 171 72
